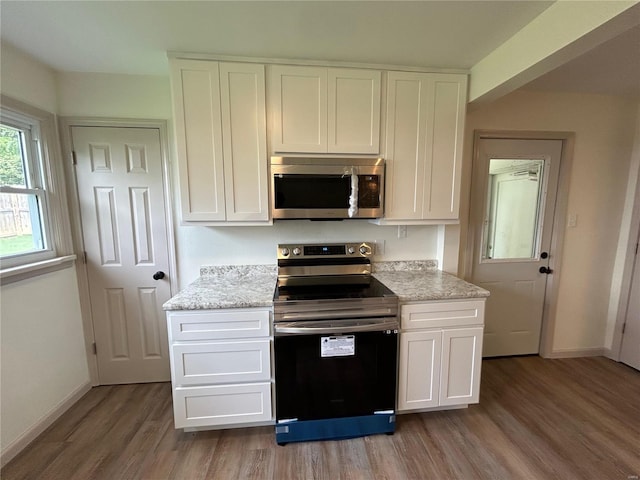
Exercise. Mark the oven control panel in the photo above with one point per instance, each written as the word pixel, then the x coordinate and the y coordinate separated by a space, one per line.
pixel 325 250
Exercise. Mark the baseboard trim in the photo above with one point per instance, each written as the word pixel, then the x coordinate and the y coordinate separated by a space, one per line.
pixel 15 447
pixel 577 352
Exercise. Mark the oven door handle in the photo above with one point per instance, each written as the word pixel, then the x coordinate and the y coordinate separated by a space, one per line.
pixel 305 328
pixel 337 314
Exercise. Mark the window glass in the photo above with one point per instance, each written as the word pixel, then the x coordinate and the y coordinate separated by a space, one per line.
pixel 23 208
pixel 512 222
pixel 12 169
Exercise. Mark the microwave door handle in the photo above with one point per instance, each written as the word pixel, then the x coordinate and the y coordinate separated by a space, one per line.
pixel 353 198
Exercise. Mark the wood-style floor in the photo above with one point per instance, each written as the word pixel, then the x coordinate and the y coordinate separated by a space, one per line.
pixel 537 419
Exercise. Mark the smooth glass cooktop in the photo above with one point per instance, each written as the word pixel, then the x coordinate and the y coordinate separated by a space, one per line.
pixel 332 288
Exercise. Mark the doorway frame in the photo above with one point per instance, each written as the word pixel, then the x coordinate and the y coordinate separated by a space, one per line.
pixel 65 126
pixel 622 275
pixel 557 228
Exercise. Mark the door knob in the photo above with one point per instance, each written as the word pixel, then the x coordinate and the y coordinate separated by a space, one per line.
pixel 546 270
pixel 158 275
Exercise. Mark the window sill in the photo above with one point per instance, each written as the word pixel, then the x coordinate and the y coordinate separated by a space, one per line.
pixel 23 272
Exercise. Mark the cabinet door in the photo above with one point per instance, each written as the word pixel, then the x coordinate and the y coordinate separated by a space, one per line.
pixel 244 139
pixel 419 369
pixel 298 98
pixel 406 124
pixel 424 131
pixel 445 125
pixel 461 362
pixel 196 104
pixel 353 111
pixel 221 405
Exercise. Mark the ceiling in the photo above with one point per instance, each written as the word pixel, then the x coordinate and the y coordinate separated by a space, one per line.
pixel 132 37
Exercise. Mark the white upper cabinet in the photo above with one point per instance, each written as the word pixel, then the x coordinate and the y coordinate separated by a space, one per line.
pixel 324 110
pixel 220 126
pixel 354 111
pixel 424 134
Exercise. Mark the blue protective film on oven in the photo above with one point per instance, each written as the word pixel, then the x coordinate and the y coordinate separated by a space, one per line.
pixel 335 428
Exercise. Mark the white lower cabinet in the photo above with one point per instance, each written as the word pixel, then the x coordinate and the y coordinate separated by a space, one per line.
pixel 440 354
pixel 220 367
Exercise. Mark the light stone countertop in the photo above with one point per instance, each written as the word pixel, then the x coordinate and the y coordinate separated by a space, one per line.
pixel 420 280
pixel 228 286
pixel 425 285
pixel 248 286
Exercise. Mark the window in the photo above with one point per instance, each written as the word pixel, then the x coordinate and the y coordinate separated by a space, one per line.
pixel 24 228
pixel 34 226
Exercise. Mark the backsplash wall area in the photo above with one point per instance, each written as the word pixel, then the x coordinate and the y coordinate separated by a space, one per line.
pixel 197 246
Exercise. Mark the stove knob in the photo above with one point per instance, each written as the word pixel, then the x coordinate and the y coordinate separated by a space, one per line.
pixel 297 251
pixel 351 250
pixel 284 252
pixel 364 250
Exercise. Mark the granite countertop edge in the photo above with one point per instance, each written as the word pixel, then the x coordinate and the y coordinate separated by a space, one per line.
pixel 252 286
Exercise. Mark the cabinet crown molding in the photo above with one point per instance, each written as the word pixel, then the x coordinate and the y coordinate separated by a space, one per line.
pixel 311 63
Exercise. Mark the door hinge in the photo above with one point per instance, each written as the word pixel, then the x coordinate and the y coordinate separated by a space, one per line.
pixel 84 257
pixel 637 248
pixel 624 327
pixel 74 159
pixel 94 349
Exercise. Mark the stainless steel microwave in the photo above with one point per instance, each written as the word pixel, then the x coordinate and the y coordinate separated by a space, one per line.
pixel 327 188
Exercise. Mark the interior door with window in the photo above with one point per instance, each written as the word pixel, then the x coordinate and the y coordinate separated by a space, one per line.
pixel 514 191
pixel 120 188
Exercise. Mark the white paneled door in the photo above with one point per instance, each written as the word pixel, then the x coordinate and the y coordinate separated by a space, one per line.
pixel 120 187
pixel 630 351
pixel 514 192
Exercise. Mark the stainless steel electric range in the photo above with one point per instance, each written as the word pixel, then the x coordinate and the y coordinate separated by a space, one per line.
pixel 336 341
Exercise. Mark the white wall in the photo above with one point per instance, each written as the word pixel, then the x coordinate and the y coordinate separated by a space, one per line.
pixel 43 353
pixel 257 245
pixel 604 128
pixel 42 345
pixel 111 95
pixel 26 79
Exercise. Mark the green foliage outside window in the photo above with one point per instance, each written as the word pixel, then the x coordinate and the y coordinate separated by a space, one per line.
pixel 11 167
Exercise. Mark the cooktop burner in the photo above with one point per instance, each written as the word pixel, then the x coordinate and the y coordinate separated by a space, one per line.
pixel 363 288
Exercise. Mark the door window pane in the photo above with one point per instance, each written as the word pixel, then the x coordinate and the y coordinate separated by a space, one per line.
pixel 511 227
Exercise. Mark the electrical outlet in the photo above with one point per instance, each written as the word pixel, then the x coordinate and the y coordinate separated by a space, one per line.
pixel 572 221
pixel 379 247
pixel 402 231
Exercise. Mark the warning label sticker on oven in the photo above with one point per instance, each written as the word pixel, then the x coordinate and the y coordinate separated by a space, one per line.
pixel 338 346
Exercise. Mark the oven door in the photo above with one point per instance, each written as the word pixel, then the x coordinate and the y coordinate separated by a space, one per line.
pixel 335 371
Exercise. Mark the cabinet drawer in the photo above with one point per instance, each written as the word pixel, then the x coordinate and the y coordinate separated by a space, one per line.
pixel 209 325
pixel 221 362
pixel 221 405
pixel 442 314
